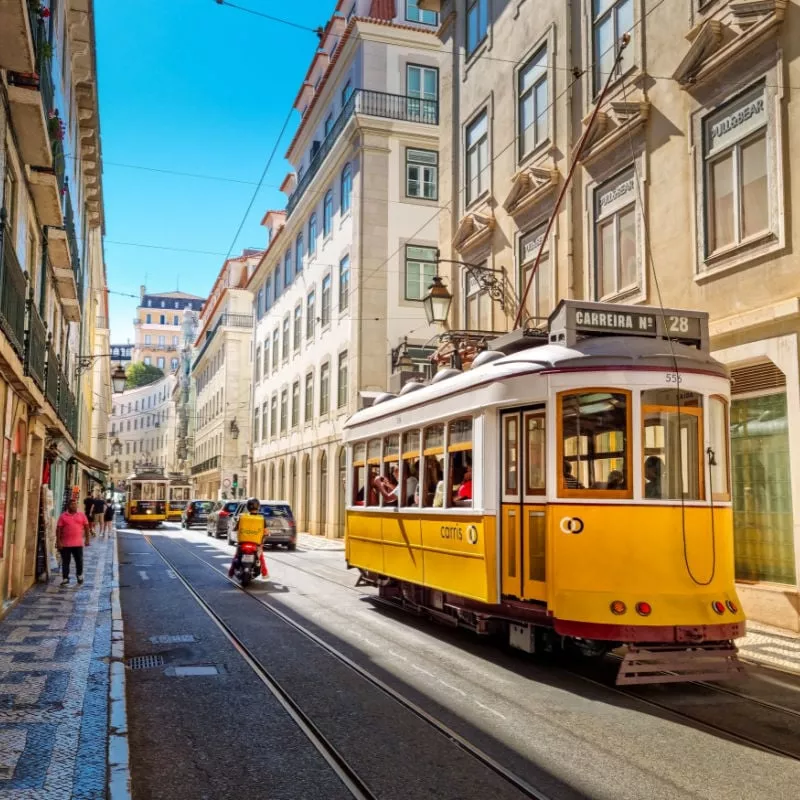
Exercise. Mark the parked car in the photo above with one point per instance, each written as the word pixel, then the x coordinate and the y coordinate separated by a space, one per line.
pixel 220 517
pixel 196 513
pixel 279 523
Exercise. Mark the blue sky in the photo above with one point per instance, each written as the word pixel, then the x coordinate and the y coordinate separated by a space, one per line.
pixel 192 86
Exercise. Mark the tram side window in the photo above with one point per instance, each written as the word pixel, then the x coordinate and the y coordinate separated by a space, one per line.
pixel 595 443
pixel 536 454
pixel 359 473
pixel 459 457
pixel 718 442
pixel 431 482
pixel 673 460
pixel 373 470
pixel 391 470
pixel 161 491
pixel 409 450
pixel 136 491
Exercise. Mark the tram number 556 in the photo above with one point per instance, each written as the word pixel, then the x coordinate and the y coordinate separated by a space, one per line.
pixel 673 377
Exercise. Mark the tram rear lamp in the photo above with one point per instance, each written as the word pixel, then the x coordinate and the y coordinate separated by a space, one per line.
pixel 644 609
pixel 732 607
pixel 718 606
pixel 618 607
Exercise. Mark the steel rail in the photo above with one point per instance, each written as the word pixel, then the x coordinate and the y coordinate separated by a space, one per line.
pixel 342 769
pixel 460 741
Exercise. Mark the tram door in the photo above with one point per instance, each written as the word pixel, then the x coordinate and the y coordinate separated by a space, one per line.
pixel 523 517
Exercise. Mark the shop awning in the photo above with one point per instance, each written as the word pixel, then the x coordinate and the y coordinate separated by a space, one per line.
pixel 92 463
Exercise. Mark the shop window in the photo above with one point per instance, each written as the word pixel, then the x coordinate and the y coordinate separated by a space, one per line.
pixel 432 478
pixel 673 447
pixel 595 444
pixel 459 463
pixel 409 448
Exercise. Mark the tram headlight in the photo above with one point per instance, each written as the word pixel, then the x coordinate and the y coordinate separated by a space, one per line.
pixel 618 607
pixel 644 609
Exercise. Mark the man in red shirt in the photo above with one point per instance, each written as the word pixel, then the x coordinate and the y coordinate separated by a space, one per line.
pixel 72 532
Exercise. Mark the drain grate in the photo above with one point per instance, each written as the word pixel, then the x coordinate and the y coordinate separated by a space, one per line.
pixel 145 662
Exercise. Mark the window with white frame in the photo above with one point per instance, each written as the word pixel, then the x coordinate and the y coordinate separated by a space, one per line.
pixel 265 370
pixel 346 189
pixel 258 364
pixel 299 253
pixel 477 150
pixel 532 104
pixel 477 24
pixel 276 282
pixel 325 301
pixel 284 410
pixel 420 270
pixel 298 326
pixel 344 283
pixel 416 14
pixel 538 303
pixel 148 339
pixel 276 352
pixel 615 257
pixel 285 333
pixel 265 420
pixel 341 381
pixel 309 399
pixel 288 276
pixel 295 404
pixel 736 179
pixel 273 416
pixel 312 234
pixel 311 311
pixel 477 304
pixel 422 89
pixel 610 20
pixel 327 214
pixel 324 388
pixel 328 123
pixel 422 173
pixel 160 362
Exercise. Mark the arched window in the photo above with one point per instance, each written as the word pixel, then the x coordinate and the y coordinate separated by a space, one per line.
pixel 323 491
pixel 327 214
pixel 271 482
pixel 305 500
pixel 281 481
pixel 312 234
pixel 341 485
pixel 346 189
pixel 292 482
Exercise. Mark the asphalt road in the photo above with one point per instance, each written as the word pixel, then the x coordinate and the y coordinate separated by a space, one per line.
pixel 216 736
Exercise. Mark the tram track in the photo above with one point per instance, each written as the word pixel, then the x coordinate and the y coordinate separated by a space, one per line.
pixel 341 767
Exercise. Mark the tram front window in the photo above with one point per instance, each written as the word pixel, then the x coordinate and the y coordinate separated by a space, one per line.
pixel 595 443
pixel 673 461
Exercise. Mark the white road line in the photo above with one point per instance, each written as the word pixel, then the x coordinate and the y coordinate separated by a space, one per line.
pixel 454 688
pixel 489 708
pixel 143 575
pixel 171 574
pixel 424 671
pixel 397 655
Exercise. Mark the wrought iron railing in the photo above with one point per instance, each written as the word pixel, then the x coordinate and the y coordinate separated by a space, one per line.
pixel 209 463
pixel 373 104
pixel 52 371
pixel 69 227
pixel 13 290
pixel 35 344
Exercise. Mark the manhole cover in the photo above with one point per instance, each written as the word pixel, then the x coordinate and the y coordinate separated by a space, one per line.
pixel 178 638
pixel 145 662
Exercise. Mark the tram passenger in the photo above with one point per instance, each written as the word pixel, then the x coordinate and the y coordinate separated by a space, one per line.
pixel 653 470
pixel 616 480
pixel 387 488
pixel 410 496
pixel 464 492
pixel 570 481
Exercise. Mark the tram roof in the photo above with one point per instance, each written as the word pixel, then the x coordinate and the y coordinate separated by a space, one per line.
pixel 589 354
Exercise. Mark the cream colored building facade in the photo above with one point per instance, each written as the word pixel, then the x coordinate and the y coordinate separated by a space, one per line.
pixel 54 376
pixel 142 430
pixel 686 184
pixel 158 327
pixel 222 377
pixel 351 257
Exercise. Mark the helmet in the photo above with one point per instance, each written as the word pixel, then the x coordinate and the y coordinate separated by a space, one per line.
pixel 252 505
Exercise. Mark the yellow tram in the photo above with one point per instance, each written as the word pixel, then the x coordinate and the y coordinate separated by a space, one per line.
pixel 572 489
pixel 180 492
pixel 146 505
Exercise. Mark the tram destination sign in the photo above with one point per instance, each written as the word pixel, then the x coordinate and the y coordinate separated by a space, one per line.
pixel 574 319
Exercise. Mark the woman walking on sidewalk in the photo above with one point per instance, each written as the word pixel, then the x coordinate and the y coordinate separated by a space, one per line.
pixel 108 519
pixel 72 532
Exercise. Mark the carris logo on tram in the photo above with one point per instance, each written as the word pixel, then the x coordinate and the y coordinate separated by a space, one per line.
pixel 571 525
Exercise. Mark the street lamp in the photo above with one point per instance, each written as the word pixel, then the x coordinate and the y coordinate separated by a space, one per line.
pixel 116 447
pixel 118 379
pixel 234 430
pixel 401 360
pixel 437 302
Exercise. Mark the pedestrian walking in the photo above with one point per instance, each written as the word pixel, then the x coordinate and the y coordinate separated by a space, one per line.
pixel 108 519
pixel 98 514
pixel 72 534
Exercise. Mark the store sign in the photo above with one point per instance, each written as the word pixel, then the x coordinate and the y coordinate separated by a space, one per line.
pixel 737 121
pixel 529 245
pixel 616 195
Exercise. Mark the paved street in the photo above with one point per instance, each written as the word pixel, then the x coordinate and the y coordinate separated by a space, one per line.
pixel 213 729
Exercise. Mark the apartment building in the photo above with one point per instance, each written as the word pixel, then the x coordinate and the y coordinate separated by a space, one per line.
pixel 142 430
pixel 352 255
pixel 158 327
pixel 221 374
pixel 684 186
pixel 54 380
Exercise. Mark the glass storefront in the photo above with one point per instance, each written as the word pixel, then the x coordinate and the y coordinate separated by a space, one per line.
pixel 762 499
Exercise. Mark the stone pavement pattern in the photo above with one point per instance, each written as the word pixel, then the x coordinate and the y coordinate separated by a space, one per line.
pixel 770 648
pixel 308 541
pixel 55 647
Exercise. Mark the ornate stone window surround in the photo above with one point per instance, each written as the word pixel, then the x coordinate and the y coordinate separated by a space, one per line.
pixel 748 251
pixel 539 223
pixel 616 167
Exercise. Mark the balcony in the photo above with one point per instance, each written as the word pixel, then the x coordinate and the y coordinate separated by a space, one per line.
pixel 370 104
pixel 35 345
pixel 205 466
pixel 52 371
pixel 20 27
pixel 224 321
pixel 13 292
pixel 46 195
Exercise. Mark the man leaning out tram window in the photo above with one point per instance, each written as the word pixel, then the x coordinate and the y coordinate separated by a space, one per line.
pixel 249 527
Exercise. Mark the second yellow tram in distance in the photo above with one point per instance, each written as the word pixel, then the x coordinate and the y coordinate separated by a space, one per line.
pixel 571 489
pixel 180 493
pixel 146 505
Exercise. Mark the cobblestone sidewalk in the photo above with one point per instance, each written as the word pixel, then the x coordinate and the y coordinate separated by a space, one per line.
pixel 55 647
pixel 771 648
pixel 308 541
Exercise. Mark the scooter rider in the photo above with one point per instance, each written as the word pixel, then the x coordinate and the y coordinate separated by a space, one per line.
pixel 249 527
